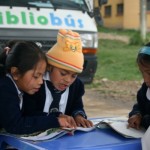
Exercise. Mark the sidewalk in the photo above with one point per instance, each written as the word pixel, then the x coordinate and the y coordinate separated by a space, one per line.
pixel 113 37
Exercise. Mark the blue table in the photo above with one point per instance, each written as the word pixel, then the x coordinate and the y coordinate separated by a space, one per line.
pixel 99 139
pixel 17 143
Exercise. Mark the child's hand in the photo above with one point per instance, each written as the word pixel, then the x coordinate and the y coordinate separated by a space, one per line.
pixel 81 121
pixel 135 121
pixel 66 121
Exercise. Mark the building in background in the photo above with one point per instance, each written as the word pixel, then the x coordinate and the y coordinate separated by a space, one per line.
pixel 123 14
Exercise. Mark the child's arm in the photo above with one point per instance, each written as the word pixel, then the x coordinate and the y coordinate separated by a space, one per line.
pixel 135 121
pixel 14 121
pixel 66 121
pixel 81 121
pixel 135 110
pixel 77 107
pixel 141 108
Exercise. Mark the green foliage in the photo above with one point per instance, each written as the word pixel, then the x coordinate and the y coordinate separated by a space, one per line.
pixel 117 61
pixel 136 39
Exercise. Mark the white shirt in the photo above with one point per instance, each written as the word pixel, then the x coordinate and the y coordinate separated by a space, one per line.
pixel 49 98
pixel 148 94
pixel 20 94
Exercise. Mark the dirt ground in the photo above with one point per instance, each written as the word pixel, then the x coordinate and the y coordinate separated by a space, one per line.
pixel 110 98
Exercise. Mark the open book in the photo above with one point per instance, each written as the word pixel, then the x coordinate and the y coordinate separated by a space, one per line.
pixel 54 133
pixel 119 124
pixel 50 134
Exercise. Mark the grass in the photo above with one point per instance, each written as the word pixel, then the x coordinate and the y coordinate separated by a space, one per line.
pixel 129 33
pixel 117 61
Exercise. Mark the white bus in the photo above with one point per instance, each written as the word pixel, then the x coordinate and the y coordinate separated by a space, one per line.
pixel 40 20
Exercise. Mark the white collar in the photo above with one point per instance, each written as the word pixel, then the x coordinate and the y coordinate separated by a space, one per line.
pixel 46 76
pixel 148 94
pixel 20 94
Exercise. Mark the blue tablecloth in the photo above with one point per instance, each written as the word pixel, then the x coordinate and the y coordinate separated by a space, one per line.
pixel 98 139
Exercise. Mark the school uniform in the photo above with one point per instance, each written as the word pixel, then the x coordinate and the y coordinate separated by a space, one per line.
pixel 63 55
pixel 13 116
pixel 143 105
pixel 70 100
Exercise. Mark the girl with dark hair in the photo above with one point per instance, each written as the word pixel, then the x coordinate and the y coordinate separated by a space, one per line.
pixel 140 114
pixel 22 68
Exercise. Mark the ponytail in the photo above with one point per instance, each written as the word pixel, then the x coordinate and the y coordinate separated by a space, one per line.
pixel 3 56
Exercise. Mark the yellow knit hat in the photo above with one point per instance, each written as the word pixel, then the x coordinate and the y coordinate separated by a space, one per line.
pixel 67 52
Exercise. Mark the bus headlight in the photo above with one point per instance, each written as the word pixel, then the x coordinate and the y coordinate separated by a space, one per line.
pixel 89 40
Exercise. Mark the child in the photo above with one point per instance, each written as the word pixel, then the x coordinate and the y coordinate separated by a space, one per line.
pixel 62 90
pixel 25 65
pixel 140 114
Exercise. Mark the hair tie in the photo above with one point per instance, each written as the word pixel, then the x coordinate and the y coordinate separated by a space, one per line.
pixel 7 49
pixel 145 50
pixel 38 44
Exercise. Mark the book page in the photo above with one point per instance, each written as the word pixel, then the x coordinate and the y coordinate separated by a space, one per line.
pixel 80 129
pixel 119 124
pixel 52 133
pixel 121 127
pixel 145 140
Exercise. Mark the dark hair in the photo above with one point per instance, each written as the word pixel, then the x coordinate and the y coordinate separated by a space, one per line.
pixel 24 55
pixel 144 59
pixel 3 55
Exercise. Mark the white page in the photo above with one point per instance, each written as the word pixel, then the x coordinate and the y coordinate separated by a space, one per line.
pixel 119 124
pixel 145 140
pixel 80 129
pixel 48 134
